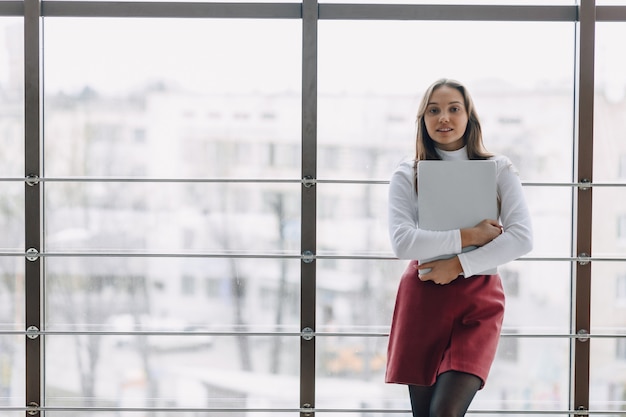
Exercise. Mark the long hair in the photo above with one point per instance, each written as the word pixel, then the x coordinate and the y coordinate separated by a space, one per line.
pixel 425 147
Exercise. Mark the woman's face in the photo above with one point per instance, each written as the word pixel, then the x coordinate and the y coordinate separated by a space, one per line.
pixel 446 118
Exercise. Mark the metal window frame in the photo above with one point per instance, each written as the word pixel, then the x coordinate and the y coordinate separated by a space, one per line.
pixel 587 14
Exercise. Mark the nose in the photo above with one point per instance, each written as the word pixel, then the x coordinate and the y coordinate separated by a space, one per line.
pixel 443 117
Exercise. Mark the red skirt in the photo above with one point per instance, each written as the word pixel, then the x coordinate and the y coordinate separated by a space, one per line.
pixel 439 328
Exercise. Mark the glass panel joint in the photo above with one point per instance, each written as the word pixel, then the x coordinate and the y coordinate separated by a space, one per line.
pixel 308 257
pixel 582 335
pixel 32 254
pixel 32 180
pixel 308 181
pixel 584 184
pixel 308 333
pixel 583 258
pixel 32 408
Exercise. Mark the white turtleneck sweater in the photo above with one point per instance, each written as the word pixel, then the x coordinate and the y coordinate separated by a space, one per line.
pixel 410 242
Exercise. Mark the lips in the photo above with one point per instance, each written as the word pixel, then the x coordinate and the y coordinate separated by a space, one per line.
pixel 444 129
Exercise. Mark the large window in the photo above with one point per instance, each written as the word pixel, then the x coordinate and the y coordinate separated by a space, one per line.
pixel 200 190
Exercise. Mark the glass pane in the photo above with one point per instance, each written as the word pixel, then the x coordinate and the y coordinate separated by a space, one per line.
pixel 162 98
pixel 11 216
pixel 356 295
pixel 610 105
pixel 172 294
pixel 608 379
pixel 12 97
pixel 12 293
pixel 369 96
pixel 608 297
pixel 528 374
pixel 352 218
pixel 177 217
pixel 551 212
pixel 537 297
pixel 609 221
pixel 92 370
pixel 12 372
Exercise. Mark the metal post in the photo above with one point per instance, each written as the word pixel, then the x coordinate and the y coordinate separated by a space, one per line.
pixel 584 151
pixel 309 201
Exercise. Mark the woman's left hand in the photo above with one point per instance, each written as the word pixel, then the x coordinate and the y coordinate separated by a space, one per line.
pixel 440 272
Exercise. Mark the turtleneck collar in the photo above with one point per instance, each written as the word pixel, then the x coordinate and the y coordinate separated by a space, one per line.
pixel 458 155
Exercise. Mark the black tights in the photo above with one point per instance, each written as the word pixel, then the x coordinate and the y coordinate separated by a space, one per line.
pixel 450 396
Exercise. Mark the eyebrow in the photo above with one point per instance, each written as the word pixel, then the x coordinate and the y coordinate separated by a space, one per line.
pixel 452 102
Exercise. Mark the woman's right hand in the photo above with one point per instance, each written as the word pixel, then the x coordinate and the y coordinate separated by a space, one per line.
pixel 481 234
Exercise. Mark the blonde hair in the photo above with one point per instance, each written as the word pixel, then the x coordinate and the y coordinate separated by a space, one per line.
pixel 425 147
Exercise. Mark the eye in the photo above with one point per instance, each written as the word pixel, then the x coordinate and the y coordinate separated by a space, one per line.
pixel 455 109
pixel 433 110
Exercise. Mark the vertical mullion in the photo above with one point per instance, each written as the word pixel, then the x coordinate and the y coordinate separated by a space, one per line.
pixel 582 301
pixel 32 196
pixel 309 199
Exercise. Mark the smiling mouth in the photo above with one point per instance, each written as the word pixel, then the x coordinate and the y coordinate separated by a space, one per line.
pixel 447 129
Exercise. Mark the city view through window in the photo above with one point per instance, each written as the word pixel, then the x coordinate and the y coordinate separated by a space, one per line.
pixel 172 210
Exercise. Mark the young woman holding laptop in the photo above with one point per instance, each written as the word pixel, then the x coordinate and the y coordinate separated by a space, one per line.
pixel 447 318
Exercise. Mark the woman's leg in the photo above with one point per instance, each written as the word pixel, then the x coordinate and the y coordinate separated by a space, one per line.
pixel 420 400
pixel 453 393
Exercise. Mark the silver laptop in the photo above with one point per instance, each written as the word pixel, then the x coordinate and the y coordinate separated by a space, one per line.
pixel 456 195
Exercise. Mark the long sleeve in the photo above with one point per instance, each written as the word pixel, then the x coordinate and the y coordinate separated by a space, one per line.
pixel 516 239
pixel 407 240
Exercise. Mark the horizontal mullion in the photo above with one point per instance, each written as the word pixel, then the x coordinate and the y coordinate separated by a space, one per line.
pixel 504 334
pixel 361 411
pixel 171 9
pixel 306 257
pixel 11 8
pixel 610 13
pixel 447 12
pixel 306 182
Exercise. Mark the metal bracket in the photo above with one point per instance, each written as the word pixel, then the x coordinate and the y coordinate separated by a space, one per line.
pixel 583 258
pixel 308 257
pixel 583 411
pixel 32 180
pixel 32 332
pixel 308 181
pixel 308 333
pixel 584 184
pixel 32 254
pixel 582 335
pixel 32 408
pixel 307 409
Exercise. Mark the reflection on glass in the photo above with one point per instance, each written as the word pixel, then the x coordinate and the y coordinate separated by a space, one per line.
pixel 154 371
pixel 12 372
pixel 521 80
pixel 163 98
pixel 528 374
pixel 178 217
pixel 11 217
pixel 172 294
pixel 11 97
pixel 551 212
pixel 610 104
pixel 607 373
pixel 609 222
pixel 352 219
pixel 608 297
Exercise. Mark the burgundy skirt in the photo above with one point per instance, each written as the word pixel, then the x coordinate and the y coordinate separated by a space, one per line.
pixel 438 328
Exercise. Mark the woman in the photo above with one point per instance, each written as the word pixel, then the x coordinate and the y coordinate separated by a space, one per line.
pixel 446 323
